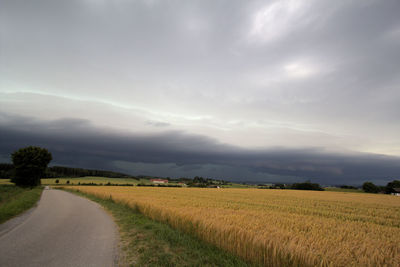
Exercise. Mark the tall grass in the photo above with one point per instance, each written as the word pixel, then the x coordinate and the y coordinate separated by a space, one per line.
pixel 277 228
pixel 14 200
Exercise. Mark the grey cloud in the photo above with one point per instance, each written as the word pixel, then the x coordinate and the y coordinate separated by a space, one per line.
pixel 328 78
pixel 77 143
pixel 158 123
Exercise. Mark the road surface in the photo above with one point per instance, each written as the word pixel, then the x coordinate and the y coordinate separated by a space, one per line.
pixel 64 230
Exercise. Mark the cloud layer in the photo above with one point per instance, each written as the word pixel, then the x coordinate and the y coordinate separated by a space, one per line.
pixel 78 143
pixel 234 84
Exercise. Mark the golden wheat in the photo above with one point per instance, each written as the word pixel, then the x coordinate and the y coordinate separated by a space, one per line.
pixel 277 227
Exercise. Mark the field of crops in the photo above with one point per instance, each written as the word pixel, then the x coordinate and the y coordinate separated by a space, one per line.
pixel 88 179
pixel 277 227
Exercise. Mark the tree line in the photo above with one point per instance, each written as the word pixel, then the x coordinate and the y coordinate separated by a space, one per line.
pixel 296 186
pixel 388 189
pixel 7 171
pixel 30 165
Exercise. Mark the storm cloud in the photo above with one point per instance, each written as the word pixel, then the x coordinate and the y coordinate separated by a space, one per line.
pixel 253 90
pixel 78 143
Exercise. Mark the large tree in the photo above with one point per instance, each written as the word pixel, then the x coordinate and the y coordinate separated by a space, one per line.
pixel 370 187
pixel 30 164
pixel 392 185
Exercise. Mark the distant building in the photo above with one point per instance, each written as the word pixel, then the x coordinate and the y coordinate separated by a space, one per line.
pixel 159 181
pixel 395 191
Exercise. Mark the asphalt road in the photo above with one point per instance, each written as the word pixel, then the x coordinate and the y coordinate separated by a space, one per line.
pixel 64 230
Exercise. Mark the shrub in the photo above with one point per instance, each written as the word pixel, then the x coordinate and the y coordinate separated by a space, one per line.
pixel 307 186
pixel 391 185
pixel 370 187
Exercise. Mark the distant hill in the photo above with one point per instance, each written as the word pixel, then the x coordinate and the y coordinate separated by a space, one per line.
pixel 6 171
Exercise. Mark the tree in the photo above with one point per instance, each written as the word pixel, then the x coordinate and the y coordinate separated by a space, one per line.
pixel 30 164
pixel 391 185
pixel 307 186
pixel 369 187
pixel 348 187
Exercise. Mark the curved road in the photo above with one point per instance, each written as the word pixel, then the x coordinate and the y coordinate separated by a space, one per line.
pixel 64 230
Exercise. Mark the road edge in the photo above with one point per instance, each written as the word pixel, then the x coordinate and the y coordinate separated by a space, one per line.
pixel 14 222
pixel 118 253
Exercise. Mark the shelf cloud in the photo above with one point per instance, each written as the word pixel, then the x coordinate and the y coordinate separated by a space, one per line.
pixel 77 142
pixel 253 90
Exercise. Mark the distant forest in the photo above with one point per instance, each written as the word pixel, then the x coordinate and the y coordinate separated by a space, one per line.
pixel 6 171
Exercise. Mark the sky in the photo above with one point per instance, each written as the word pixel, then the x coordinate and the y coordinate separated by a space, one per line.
pixel 269 91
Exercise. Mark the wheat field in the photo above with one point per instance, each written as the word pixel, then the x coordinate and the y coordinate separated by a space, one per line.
pixel 277 227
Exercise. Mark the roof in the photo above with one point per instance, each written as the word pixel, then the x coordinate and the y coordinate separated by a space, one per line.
pixel 397 190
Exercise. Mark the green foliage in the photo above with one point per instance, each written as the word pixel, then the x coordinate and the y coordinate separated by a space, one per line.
pixel 279 186
pixel 14 200
pixel 348 187
pixel 67 172
pixel 307 186
pixel 203 182
pixel 6 170
pixel 392 185
pixel 30 164
pixel 369 187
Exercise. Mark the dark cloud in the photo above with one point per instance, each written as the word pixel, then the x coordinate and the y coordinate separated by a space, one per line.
pixel 211 67
pixel 79 143
pixel 165 86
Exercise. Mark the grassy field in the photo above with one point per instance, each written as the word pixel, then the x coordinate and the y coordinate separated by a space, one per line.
pixel 105 180
pixel 146 242
pixel 277 227
pixel 5 181
pixel 87 179
pixel 14 200
pixel 96 180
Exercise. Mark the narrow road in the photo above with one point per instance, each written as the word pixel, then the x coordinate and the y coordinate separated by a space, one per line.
pixel 64 230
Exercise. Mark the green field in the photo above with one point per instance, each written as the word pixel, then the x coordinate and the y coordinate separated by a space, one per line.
pixel 89 179
pixel 5 181
pixel 96 180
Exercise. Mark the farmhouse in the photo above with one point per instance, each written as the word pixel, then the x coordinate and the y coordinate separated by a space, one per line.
pixel 159 181
pixel 395 191
pixel 182 184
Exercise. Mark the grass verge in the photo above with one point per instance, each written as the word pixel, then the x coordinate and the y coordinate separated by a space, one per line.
pixel 15 200
pixel 145 242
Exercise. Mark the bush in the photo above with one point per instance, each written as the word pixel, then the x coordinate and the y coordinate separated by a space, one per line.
pixel 392 185
pixel 307 186
pixel 369 187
